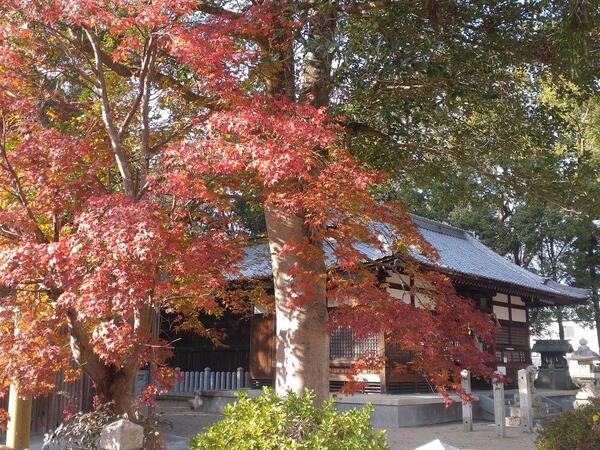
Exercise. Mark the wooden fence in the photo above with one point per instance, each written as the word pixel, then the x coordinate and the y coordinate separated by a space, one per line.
pixel 208 380
pixel 48 411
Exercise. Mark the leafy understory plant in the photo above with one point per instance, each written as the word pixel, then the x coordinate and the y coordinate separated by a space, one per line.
pixel 81 431
pixel 577 429
pixel 291 422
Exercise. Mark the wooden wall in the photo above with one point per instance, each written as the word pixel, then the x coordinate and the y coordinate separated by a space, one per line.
pixel 192 352
pixel 262 348
pixel 48 411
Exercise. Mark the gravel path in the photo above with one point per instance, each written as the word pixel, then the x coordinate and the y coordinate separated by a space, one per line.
pixel 483 437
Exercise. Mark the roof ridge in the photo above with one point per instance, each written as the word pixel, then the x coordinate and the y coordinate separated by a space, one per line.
pixel 438 226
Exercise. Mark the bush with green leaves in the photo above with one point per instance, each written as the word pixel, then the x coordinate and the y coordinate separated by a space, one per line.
pixel 271 422
pixel 578 429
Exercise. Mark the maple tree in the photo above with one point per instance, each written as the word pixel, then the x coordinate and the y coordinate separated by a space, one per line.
pixel 128 130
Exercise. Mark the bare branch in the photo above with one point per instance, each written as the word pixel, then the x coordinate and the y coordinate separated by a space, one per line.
pixel 163 81
pixel 107 118
pixel 146 90
pixel 147 63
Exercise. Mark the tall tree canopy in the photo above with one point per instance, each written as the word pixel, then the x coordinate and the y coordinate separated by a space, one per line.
pixel 132 132
pixel 485 115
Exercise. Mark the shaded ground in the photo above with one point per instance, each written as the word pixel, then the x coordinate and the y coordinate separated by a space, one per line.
pixel 185 423
pixel 182 424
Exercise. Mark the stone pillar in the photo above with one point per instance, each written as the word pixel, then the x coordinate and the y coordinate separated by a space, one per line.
pixel 19 425
pixel 526 377
pixel 467 407
pixel 586 393
pixel 499 413
pixel 239 375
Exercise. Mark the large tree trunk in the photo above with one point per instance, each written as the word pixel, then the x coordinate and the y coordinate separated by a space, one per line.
pixel 116 386
pixel 112 384
pixel 302 342
pixel 561 327
pixel 595 299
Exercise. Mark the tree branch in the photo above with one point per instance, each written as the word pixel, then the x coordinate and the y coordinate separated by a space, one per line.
pixel 107 118
pixel 82 349
pixel 20 193
pixel 146 89
pixel 163 81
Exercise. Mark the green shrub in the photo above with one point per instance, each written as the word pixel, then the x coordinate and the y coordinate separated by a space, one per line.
pixel 578 429
pixel 270 422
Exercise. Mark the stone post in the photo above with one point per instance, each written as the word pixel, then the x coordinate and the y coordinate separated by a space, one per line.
pixel 206 384
pixel 526 397
pixel 19 425
pixel 467 407
pixel 239 374
pixel 585 394
pixel 499 413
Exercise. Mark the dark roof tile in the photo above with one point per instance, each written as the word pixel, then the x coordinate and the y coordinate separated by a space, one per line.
pixel 459 252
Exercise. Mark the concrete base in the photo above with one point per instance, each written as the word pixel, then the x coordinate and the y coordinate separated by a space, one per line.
pixel 396 411
pixel 393 411
pixel 389 411
pixel 212 401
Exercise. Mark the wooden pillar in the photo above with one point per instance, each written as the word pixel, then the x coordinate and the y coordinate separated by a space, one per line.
pixel 467 407
pixel 526 400
pixel 19 425
pixel 383 371
pixel 499 413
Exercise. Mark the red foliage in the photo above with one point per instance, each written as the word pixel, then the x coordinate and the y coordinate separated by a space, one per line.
pixel 88 256
pixel 4 418
pixel 447 336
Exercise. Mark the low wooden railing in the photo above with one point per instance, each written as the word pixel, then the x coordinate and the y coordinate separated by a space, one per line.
pixel 208 380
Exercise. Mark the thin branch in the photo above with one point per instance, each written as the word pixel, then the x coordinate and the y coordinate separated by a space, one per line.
pixel 146 90
pixel 148 62
pixel 20 193
pixel 170 137
pixel 163 81
pixel 107 118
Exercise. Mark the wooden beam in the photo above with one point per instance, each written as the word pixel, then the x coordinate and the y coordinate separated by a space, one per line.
pixel 19 425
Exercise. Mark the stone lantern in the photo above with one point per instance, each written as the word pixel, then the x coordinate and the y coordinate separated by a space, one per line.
pixel 553 372
pixel 585 373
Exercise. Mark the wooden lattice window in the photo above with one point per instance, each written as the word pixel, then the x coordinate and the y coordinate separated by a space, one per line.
pixel 503 336
pixel 514 356
pixel 519 337
pixel 343 345
pixel 396 354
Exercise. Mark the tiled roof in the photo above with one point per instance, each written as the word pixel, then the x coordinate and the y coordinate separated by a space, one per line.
pixel 459 253
pixel 462 253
